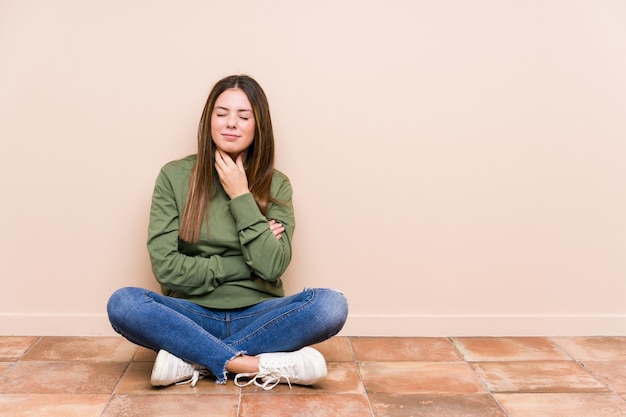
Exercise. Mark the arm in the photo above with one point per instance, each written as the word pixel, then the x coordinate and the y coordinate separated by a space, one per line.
pixel 175 271
pixel 266 253
pixel 266 250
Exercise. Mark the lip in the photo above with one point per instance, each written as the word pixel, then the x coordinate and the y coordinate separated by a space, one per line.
pixel 230 136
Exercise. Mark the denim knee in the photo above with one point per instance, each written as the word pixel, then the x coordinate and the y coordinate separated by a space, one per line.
pixel 334 311
pixel 120 303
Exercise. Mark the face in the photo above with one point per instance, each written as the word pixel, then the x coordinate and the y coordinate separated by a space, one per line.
pixel 232 122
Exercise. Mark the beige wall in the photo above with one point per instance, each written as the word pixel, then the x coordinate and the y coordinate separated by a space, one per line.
pixel 459 166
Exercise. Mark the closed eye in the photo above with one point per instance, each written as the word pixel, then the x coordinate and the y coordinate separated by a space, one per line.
pixel 223 112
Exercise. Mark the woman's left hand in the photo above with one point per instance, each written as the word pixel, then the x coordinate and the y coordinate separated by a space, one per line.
pixel 277 229
pixel 232 174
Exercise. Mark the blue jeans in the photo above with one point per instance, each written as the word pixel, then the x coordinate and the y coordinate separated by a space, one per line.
pixel 211 337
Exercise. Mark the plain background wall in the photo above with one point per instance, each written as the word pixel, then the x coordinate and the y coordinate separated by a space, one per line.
pixel 459 166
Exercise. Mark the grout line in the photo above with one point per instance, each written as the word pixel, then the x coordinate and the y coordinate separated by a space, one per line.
pixel 29 348
pixel 119 381
pixel 499 404
pixel 598 379
pixel 108 403
pixel 456 348
pixel 584 366
pixel 358 369
pixel 483 382
pixel 562 350
pixel 19 358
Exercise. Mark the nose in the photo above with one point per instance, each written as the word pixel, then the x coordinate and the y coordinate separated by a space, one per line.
pixel 231 120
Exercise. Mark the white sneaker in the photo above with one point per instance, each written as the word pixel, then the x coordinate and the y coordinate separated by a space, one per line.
pixel 169 369
pixel 303 367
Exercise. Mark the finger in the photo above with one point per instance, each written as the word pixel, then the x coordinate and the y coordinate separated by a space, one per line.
pixel 276 226
pixel 219 160
pixel 239 162
pixel 223 157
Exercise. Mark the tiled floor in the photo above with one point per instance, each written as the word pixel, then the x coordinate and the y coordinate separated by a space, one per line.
pixel 381 377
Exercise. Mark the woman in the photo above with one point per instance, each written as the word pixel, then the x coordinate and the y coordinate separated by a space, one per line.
pixel 219 239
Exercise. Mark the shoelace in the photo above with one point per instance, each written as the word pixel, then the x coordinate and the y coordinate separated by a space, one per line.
pixel 266 379
pixel 197 375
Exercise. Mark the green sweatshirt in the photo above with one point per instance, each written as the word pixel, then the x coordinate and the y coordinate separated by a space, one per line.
pixel 238 261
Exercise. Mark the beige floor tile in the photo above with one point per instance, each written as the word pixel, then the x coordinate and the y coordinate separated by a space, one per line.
pixel 562 405
pixel 343 378
pixel 397 405
pixel 611 373
pixel 381 349
pixel 537 376
pixel 136 380
pixel 481 349
pixel 323 405
pixel 594 348
pixel 30 377
pixel 336 349
pixel 52 405
pixel 81 349
pixel 172 406
pixel 420 378
pixel 13 347
pixel 145 355
pixel 4 366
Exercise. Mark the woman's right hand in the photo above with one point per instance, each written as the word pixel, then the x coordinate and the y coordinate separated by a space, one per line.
pixel 232 173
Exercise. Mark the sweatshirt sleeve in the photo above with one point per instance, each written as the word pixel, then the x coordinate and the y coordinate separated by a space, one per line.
pixel 174 270
pixel 266 255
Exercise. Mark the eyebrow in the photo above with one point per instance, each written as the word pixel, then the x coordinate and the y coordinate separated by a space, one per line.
pixel 227 109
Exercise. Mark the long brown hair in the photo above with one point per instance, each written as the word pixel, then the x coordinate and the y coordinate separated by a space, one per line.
pixel 259 160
